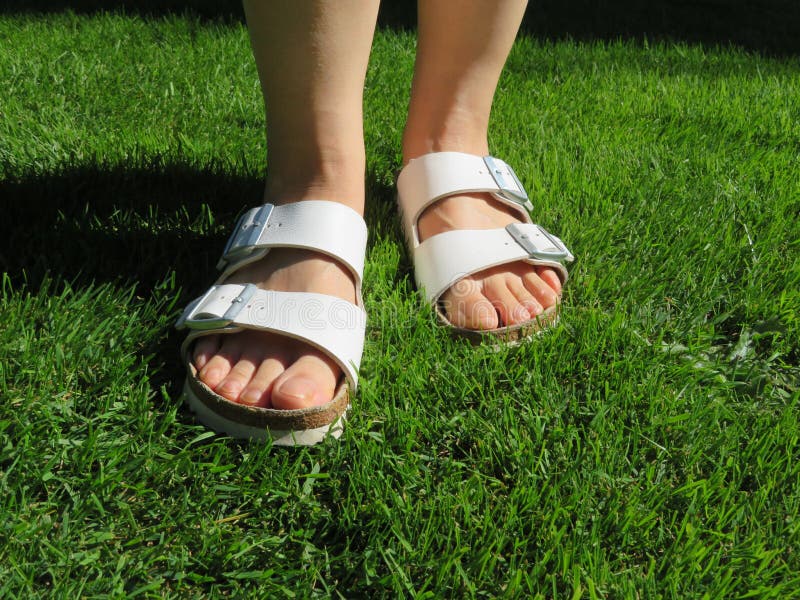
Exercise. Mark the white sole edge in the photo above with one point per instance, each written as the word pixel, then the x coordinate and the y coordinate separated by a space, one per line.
pixel 304 437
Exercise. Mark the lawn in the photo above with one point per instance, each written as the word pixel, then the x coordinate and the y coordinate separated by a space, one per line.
pixel 646 447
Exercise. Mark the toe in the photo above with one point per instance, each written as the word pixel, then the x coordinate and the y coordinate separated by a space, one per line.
pixel 525 298
pixel 257 392
pixel 215 370
pixel 466 306
pixel 511 311
pixel 551 278
pixel 309 381
pixel 221 363
pixel 540 290
pixel 204 348
pixel 237 379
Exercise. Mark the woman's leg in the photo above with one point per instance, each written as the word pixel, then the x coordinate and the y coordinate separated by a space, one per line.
pixel 312 60
pixel 461 51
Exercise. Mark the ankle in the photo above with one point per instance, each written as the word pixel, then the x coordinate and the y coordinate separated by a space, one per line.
pixel 417 147
pixel 452 133
pixel 350 196
pixel 331 176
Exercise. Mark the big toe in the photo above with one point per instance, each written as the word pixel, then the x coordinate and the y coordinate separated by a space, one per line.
pixel 309 381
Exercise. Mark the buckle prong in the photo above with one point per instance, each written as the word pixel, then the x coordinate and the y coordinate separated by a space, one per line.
pixel 247 233
pixel 237 304
pixel 556 250
pixel 511 190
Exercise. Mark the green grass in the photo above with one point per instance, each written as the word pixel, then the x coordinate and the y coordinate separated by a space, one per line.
pixel 647 447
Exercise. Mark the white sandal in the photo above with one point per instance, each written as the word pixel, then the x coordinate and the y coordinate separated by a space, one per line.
pixel 329 324
pixel 444 259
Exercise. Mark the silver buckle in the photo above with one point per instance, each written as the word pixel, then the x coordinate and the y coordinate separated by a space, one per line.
pixel 237 304
pixel 556 250
pixel 247 232
pixel 515 193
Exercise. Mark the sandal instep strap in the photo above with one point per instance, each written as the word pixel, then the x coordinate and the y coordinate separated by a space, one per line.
pixel 444 259
pixel 330 324
pixel 430 177
pixel 327 227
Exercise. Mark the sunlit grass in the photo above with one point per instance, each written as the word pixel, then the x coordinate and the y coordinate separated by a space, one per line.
pixel 646 447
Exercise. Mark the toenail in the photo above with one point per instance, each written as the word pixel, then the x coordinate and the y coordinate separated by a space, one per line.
pixel 522 314
pixel 297 388
pixel 250 396
pixel 229 387
pixel 212 377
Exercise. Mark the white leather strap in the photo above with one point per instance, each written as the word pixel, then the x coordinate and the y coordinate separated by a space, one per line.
pixel 444 259
pixel 330 324
pixel 327 227
pixel 426 179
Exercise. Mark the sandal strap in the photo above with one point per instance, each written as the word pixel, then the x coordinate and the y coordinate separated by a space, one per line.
pixel 328 227
pixel 330 324
pixel 444 259
pixel 430 177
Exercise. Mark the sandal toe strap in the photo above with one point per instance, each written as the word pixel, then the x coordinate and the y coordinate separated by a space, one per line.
pixel 330 324
pixel 444 259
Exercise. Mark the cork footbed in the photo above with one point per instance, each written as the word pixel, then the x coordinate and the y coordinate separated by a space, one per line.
pixel 504 336
pixel 269 418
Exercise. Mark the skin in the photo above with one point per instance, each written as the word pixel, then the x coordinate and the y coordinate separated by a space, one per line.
pixel 312 59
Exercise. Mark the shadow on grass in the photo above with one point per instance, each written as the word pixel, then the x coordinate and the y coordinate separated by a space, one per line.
pixel 766 26
pixel 142 226
pixel 121 224
pixel 129 224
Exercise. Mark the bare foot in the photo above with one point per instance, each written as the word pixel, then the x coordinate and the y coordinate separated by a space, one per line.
pixel 497 297
pixel 268 370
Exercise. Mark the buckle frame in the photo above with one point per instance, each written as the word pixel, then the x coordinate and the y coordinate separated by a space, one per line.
pixel 247 232
pixel 558 251
pixel 516 193
pixel 237 304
